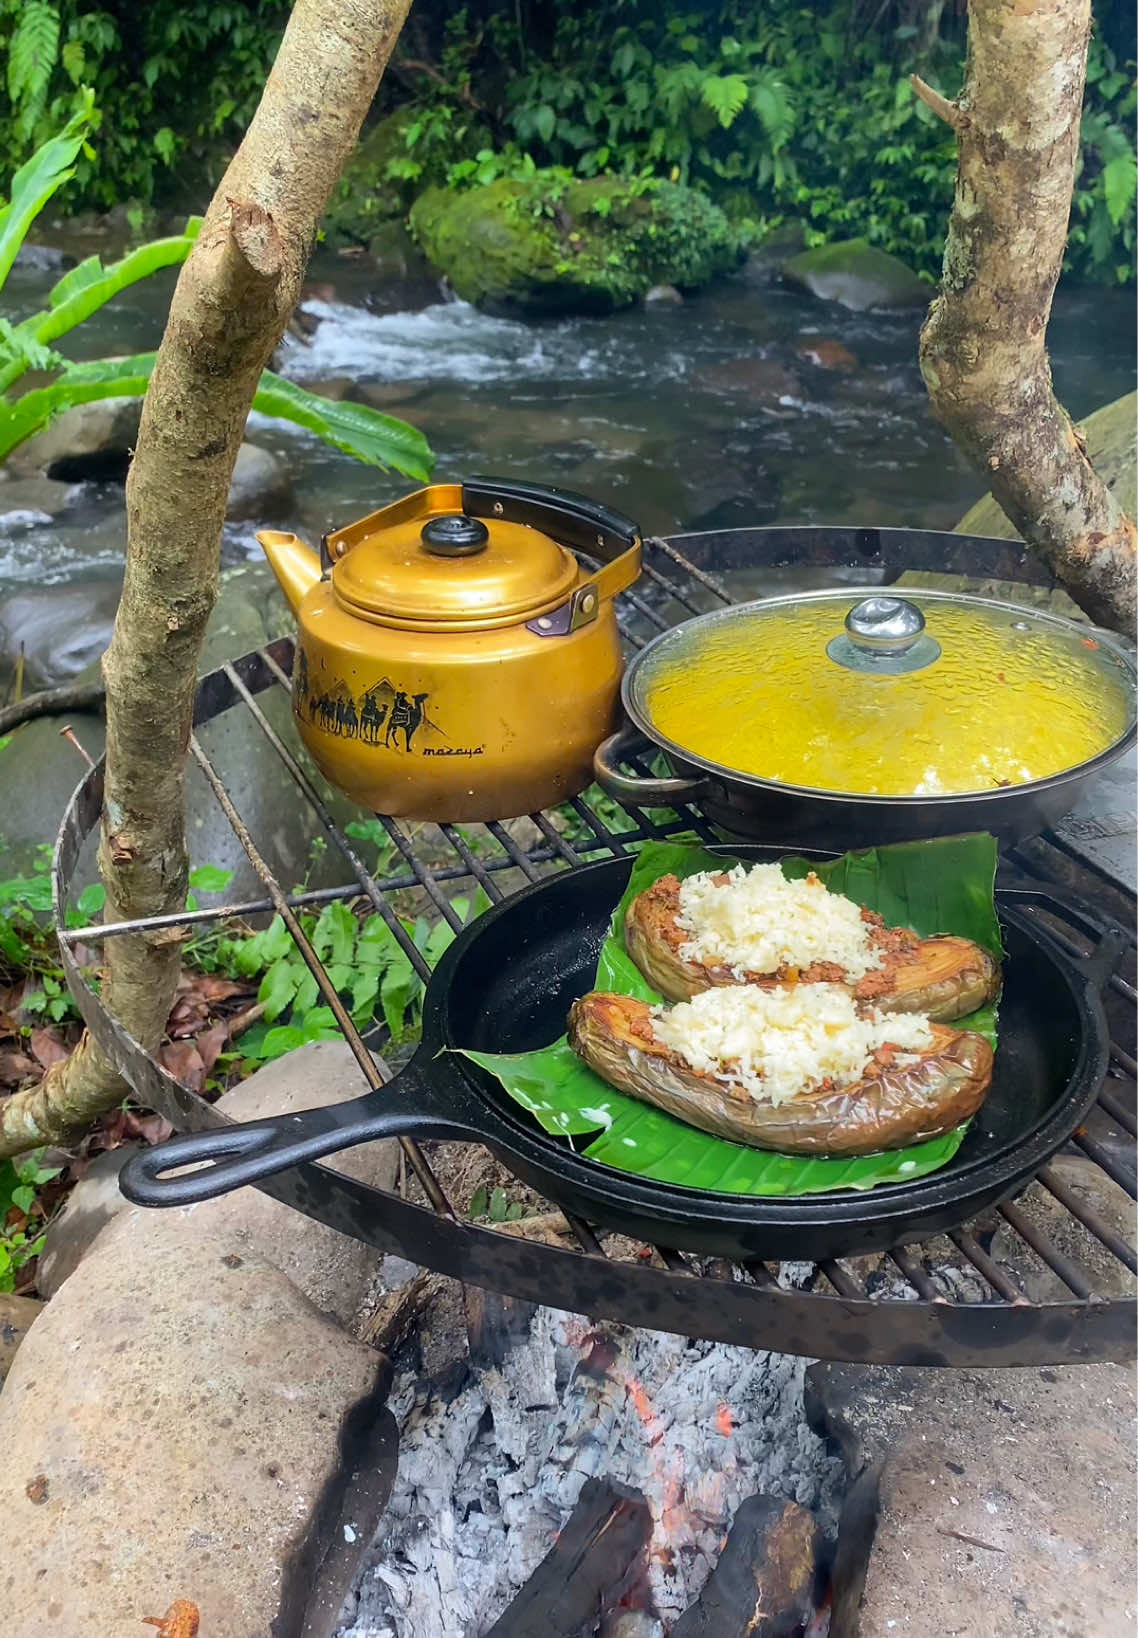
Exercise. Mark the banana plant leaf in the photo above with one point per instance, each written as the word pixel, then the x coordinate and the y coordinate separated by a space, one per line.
pixel 44 173
pixel 942 886
pixel 365 434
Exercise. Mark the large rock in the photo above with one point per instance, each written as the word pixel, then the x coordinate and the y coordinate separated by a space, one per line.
pixel 366 195
pixel 1111 445
pixel 61 629
pixel 250 611
pixel 24 501
pixel 857 275
pixel 261 487
pixel 181 1424
pixel 89 441
pixel 333 1272
pixel 532 247
pixel 991 1504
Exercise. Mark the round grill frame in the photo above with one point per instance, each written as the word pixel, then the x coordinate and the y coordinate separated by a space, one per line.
pixel 827 1312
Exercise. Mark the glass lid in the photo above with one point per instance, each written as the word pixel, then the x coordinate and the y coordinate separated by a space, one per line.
pixel 924 695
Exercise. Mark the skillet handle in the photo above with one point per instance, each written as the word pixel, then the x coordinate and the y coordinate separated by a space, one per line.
pixel 1112 940
pixel 641 792
pixel 245 1153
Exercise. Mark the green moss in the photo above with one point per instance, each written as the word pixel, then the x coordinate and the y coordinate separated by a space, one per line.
pixel 384 174
pixel 858 275
pixel 548 245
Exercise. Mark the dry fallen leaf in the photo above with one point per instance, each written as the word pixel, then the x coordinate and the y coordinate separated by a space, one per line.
pixel 210 1042
pixel 48 1047
pixel 183 1060
pixel 15 1066
pixel 219 989
pixel 180 1620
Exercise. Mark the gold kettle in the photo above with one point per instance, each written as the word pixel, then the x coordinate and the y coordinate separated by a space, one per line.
pixel 455 661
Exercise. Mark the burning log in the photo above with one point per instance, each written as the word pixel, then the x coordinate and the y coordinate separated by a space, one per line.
pixel 598 1555
pixel 765 1581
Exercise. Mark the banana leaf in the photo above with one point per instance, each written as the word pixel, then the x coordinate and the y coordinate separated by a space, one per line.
pixel 364 433
pixel 942 886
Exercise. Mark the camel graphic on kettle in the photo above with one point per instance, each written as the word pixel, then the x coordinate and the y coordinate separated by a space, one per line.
pixel 383 712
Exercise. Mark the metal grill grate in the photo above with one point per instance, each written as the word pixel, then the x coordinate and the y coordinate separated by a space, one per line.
pixel 965 1299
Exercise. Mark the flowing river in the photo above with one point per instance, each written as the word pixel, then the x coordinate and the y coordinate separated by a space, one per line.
pixel 748 404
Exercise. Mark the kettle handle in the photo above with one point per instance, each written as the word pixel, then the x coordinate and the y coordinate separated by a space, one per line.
pixel 568 517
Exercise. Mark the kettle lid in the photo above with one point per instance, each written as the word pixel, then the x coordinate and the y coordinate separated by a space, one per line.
pixel 424 563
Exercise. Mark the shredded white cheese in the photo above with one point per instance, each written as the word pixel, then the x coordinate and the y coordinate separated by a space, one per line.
pixel 783 1041
pixel 757 921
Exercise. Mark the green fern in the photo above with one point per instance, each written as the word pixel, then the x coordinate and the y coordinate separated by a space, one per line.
pixel 32 55
pixel 726 95
pixel 1119 181
pixel 771 104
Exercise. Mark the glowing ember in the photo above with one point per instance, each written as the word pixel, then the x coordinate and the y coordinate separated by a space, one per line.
pixel 724 1421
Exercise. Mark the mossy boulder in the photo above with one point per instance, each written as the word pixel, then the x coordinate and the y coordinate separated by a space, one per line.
pixel 857 275
pixel 1111 445
pixel 547 246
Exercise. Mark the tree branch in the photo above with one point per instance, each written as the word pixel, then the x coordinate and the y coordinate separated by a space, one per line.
pixel 941 106
pixel 983 350
pixel 234 296
pixel 49 702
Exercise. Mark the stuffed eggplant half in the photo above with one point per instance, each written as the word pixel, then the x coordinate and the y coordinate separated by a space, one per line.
pixel 755 927
pixel 801 1069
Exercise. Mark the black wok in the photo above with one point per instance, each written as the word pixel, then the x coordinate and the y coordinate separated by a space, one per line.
pixel 506 985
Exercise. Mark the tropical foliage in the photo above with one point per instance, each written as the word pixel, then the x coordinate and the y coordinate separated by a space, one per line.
pixel 369 436
pixel 782 110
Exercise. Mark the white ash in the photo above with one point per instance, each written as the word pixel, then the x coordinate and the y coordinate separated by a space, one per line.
pixel 487 1480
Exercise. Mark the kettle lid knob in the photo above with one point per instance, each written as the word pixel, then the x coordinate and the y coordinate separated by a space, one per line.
pixel 455 535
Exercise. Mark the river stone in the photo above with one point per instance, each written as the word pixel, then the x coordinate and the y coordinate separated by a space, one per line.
pixel 43 259
pixel 180 1424
pixel 769 254
pixel 62 630
pixel 857 275
pixel 17 1316
pixel 261 487
pixel 90 441
pixel 539 246
pixel 663 295
pixel 332 1270
pixel 1112 447
pixel 1005 1499
pixel 250 611
pixel 43 496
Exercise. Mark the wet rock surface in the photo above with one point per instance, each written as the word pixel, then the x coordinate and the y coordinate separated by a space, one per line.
pixel 333 1271
pixel 61 629
pixel 261 487
pixel 172 1428
pixel 91 441
pixel 188 1419
pixel 990 1504
pixel 857 275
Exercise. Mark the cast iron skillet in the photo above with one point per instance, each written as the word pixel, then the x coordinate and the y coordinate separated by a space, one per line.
pixel 506 984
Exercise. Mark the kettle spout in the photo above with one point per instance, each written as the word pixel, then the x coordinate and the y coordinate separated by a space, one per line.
pixel 296 566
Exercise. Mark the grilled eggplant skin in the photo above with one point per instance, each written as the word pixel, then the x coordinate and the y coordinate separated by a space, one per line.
pixel 889 1108
pixel 943 977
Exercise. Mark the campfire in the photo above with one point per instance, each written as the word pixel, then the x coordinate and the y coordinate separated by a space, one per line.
pixel 564 1478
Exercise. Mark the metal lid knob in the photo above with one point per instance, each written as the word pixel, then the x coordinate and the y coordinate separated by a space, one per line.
pixel 884 635
pixel 455 535
pixel 885 625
